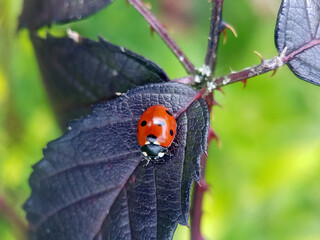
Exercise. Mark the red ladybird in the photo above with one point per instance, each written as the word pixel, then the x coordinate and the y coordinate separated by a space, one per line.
pixel 156 131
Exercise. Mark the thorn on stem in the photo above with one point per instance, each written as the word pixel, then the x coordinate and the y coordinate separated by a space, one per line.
pixel 231 71
pixel 220 90
pixel 244 82
pixel 259 55
pixel 224 33
pixel 274 72
pixel 231 28
pixel 215 103
pixel 223 28
pixel 210 100
pixel 147 5
pixel 152 31
pixel 168 29
pixel 213 135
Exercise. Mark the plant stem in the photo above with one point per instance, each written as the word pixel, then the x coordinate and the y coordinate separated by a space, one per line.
pixel 216 27
pixel 197 199
pixel 163 33
pixel 11 215
pixel 265 66
pixel 202 187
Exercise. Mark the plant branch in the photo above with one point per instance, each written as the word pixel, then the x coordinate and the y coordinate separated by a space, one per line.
pixel 11 215
pixel 202 187
pixel 197 199
pixel 216 28
pixel 265 66
pixel 163 33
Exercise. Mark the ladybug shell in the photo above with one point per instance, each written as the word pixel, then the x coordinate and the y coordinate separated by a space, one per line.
pixel 156 125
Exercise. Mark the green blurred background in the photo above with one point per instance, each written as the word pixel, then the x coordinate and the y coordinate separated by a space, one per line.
pixel 264 178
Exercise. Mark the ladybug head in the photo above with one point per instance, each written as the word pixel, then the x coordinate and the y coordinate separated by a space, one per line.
pixel 153 151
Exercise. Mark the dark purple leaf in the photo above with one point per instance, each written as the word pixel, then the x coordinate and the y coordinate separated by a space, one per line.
pixel 37 13
pixel 79 74
pixel 298 30
pixel 92 182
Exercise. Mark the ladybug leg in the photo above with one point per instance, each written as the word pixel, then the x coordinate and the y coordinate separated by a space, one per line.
pixel 160 160
pixel 175 144
pixel 170 154
pixel 147 161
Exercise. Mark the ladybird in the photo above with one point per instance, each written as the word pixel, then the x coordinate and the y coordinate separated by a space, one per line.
pixel 155 132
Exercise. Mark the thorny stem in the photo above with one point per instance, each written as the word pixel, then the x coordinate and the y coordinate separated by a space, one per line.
pixel 216 27
pixel 196 208
pixel 163 33
pixel 265 66
pixel 10 214
pixel 201 188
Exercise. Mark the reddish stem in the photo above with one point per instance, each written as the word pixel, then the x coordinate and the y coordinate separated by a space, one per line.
pixel 11 215
pixel 265 66
pixel 163 33
pixel 216 28
pixel 197 199
pixel 199 95
pixel 202 187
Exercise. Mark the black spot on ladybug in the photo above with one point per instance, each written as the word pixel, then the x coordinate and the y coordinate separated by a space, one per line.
pixel 151 138
pixel 171 132
pixel 161 123
pixel 167 111
pixel 143 123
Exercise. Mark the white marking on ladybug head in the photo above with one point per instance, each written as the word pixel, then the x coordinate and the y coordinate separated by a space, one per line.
pixel 144 154
pixel 156 143
pixel 74 36
pixel 146 143
pixel 160 154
